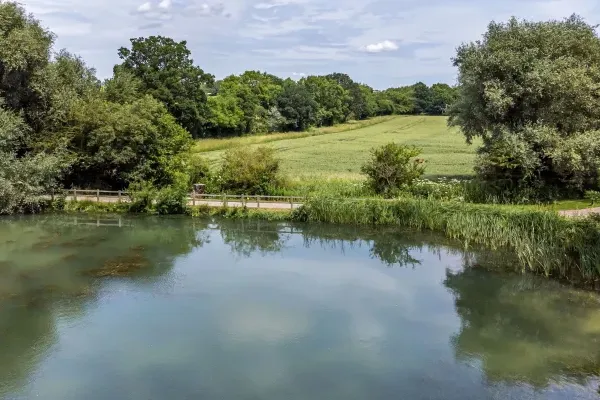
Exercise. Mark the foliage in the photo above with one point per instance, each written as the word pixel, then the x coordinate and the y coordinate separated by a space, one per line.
pixel 168 73
pixel 392 166
pixel 529 90
pixel 23 180
pixel 198 170
pixel 441 189
pixel 249 171
pixel 116 144
pixel 593 196
pixel 542 241
pixel 297 105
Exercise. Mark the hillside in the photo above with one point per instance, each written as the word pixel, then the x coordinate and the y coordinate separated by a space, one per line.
pixel 341 154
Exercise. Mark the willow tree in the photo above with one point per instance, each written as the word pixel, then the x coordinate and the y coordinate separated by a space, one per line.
pixel 531 91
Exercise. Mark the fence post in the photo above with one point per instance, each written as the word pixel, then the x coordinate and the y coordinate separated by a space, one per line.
pixel 75 194
pixel 243 201
pixel 193 199
pixel 119 194
pixel 52 195
pixel 291 202
pixel 97 195
pixel 257 201
pixel 224 200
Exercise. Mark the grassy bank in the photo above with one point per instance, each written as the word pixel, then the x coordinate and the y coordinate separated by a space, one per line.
pixel 543 241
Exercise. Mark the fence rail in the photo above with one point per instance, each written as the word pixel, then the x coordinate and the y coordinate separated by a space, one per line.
pixel 213 200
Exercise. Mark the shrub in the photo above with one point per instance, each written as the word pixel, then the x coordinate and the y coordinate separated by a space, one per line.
pixel 248 171
pixel 442 189
pixel 392 166
pixel 198 169
pixel 593 196
pixel 171 200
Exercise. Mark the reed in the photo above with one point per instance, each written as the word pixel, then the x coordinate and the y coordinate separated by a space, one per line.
pixel 543 241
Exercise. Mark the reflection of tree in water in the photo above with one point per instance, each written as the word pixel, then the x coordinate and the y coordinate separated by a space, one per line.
pixel 49 266
pixel 525 328
pixel 248 237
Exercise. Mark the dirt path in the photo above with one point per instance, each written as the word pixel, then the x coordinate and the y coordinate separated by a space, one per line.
pixel 580 213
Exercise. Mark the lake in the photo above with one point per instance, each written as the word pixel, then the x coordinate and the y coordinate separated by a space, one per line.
pixel 180 308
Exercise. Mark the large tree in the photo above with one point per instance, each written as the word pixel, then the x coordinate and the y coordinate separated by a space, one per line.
pixel 168 73
pixel 297 105
pixel 531 90
pixel 331 97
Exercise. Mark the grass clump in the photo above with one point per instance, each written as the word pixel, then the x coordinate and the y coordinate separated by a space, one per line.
pixel 542 241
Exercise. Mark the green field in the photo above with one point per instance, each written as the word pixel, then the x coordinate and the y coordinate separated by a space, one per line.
pixel 341 154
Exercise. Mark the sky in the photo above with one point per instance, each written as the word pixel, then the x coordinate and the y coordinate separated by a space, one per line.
pixel 382 43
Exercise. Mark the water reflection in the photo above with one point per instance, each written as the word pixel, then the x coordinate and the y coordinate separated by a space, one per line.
pixel 525 329
pixel 157 308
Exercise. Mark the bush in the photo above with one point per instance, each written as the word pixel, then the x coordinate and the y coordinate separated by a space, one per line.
pixel 198 170
pixel 171 200
pixel 392 166
pixel 442 189
pixel 248 171
pixel 593 196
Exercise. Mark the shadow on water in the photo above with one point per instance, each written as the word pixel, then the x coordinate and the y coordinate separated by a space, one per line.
pixel 520 329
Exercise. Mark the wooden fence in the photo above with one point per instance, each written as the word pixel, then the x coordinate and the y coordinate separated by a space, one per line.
pixel 215 200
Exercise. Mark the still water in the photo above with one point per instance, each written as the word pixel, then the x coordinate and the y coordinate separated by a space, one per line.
pixel 175 308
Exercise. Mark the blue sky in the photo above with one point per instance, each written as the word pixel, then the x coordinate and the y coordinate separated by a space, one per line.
pixel 380 42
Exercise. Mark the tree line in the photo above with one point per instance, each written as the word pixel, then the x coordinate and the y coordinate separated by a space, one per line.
pixel 259 102
pixel 61 126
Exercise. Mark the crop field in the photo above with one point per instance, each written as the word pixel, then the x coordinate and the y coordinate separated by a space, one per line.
pixel 340 153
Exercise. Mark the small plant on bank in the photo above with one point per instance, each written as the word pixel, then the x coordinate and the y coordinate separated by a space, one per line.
pixel 593 196
pixel 249 171
pixel 393 166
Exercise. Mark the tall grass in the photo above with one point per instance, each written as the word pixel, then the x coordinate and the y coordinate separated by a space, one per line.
pixel 543 241
pixel 206 145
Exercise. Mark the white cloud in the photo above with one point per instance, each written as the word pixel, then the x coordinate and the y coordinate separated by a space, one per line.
pixel 386 45
pixel 311 36
pixel 145 7
pixel 298 73
pixel 165 4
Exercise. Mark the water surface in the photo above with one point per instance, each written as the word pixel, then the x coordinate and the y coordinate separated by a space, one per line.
pixel 175 308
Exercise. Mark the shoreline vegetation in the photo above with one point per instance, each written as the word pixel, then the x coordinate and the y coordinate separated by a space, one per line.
pixel 543 242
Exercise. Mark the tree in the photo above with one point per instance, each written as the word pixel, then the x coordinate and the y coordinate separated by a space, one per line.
pixel 391 166
pixel 534 87
pixel 225 115
pixel 113 145
pixel 422 98
pixel 24 53
pixel 297 105
pixel 23 179
pixel 402 98
pixel 168 73
pixel 331 97
pixel 442 97
pixel 256 93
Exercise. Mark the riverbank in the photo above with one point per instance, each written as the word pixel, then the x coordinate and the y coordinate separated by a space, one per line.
pixel 543 241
